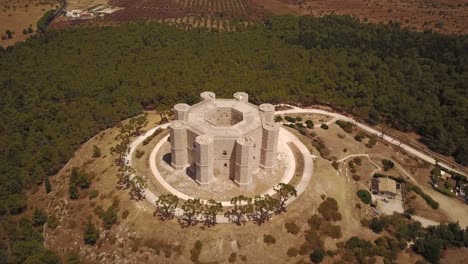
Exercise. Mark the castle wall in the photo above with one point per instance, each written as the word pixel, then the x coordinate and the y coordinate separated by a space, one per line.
pixel 223 138
pixel 204 159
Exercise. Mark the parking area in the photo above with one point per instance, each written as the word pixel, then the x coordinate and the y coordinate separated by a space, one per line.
pixel 388 205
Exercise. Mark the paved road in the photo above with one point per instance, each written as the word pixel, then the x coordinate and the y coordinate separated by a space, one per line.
pixel 391 140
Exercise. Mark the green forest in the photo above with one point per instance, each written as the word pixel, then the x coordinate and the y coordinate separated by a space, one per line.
pixel 60 88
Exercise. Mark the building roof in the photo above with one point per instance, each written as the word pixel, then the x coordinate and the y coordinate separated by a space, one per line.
pixel 387 185
pixel 201 117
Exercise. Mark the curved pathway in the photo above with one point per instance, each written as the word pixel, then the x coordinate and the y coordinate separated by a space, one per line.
pixel 285 138
pixel 391 140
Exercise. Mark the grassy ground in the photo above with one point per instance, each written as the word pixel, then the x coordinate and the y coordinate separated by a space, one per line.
pixel 140 236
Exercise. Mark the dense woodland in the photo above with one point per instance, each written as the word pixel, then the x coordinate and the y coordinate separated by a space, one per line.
pixel 60 88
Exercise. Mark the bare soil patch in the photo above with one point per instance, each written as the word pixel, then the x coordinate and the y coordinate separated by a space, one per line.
pixel 16 16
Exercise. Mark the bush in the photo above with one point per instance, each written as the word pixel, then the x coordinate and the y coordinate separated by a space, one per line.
pixel 93 194
pixel 269 239
pixel 45 20
pixel 346 126
pixel 232 257
pixel 329 210
pixel 333 231
pixel 372 141
pixel 148 139
pixel 278 118
pixel 314 222
pixel 139 153
pixel 52 222
pixel 356 177
pixel 309 124
pixel 324 126
pixel 298 118
pixel 125 214
pixel 433 204
pixel 292 228
pixel 91 234
pixel 196 251
pixel 317 255
pixel 387 164
pixel 358 161
pixel 39 217
pixel 376 225
pixel 360 136
pixel 290 119
pixel 96 151
pixel 292 252
pixel 365 196
pixel 78 178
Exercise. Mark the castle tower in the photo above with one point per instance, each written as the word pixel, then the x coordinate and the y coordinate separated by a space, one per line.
pixel 178 134
pixel 204 159
pixel 268 113
pixel 269 145
pixel 181 111
pixel 244 160
pixel 204 96
pixel 241 96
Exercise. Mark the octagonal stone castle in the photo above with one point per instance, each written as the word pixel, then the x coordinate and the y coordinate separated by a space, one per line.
pixel 223 138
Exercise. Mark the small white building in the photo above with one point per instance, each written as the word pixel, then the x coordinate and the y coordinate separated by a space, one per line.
pixel 75 13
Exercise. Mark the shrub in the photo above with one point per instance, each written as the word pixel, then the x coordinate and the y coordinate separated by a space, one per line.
pixel 39 217
pixel 372 141
pixel 47 184
pixel 314 222
pixel 324 126
pixel 298 118
pixel 148 139
pixel 309 124
pixel 365 196
pixel 292 252
pixel 139 153
pixel 93 194
pixel 278 118
pixel 125 214
pixel 358 161
pixel 333 231
pixel 269 239
pixel 433 204
pixel 376 225
pixel 387 164
pixel 356 177
pixel 346 126
pixel 329 210
pixel 78 178
pixel 96 151
pixel 292 228
pixel 360 136
pixel 52 222
pixel 109 217
pixel 91 234
pixel 290 119
pixel 232 257
pixel 196 251
pixel 317 255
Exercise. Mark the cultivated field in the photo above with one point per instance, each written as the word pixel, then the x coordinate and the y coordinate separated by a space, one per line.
pixel 445 16
pixel 19 15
